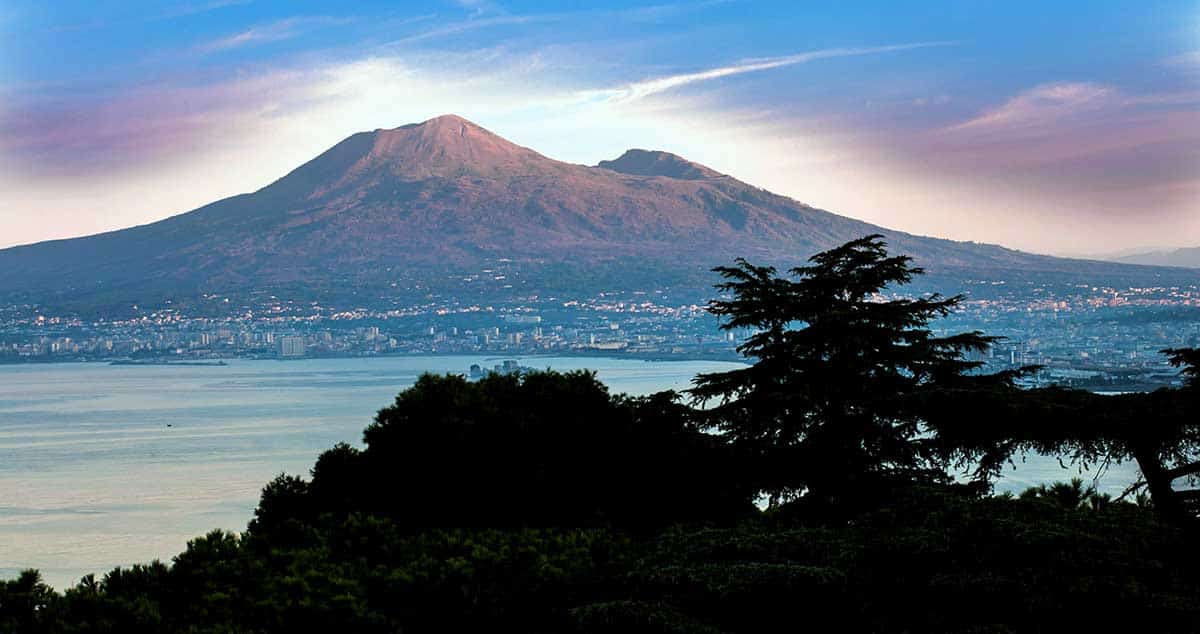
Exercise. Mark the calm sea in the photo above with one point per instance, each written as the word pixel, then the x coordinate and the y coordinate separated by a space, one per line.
pixel 110 465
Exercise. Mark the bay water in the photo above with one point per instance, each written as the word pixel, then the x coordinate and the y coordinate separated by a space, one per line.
pixel 105 465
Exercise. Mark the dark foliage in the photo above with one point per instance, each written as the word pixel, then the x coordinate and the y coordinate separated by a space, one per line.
pixel 452 453
pixel 1160 431
pixel 933 561
pixel 830 405
pixel 1188 359
pixel 24 602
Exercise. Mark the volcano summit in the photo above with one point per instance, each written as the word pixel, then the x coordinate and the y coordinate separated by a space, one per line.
pixel 424 208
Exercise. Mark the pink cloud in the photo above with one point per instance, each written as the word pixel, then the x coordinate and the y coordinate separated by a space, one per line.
pixel 1062 122
pixel 1106 162
pixel 137 126
pixel 1043 105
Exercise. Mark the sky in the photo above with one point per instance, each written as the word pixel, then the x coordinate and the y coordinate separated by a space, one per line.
pixel 1070 128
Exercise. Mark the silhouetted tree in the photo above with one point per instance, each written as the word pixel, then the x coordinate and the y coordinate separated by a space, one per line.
pixel 23 603
pixel 829 405
pixel 542 449
pixel 1068 495
pixel 1158 430
pixel 1188 361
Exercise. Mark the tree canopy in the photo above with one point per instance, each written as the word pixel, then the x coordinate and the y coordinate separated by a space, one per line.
pixel 492 453
pixel 1159 431
pixel 831 403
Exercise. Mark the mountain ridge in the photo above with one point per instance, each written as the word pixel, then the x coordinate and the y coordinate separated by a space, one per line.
pixel 1188 257
pixel 638 162
pixel 417 206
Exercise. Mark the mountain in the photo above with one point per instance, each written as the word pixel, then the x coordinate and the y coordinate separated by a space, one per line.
pixel 655 163
pixel 445 206
pixel 1189 258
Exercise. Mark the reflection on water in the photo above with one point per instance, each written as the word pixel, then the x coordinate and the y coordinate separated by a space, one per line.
pixel 111 465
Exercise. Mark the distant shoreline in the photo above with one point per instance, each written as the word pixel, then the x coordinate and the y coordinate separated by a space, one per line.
pixel 222 360
pixel 157 363
pixel 489 355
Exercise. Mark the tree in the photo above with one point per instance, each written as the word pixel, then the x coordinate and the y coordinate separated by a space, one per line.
pixel 543 449
pixel 830 404
pixel 1188 362
pixel 23 601
pixel 1159 430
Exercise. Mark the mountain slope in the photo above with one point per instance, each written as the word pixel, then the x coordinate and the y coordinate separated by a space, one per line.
pixel 1189 257
pixel 415 209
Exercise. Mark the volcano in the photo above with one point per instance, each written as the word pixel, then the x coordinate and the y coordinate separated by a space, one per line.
pixel 436 206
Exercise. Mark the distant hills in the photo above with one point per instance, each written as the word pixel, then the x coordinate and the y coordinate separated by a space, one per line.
pixel 1176 257
pixel 445 207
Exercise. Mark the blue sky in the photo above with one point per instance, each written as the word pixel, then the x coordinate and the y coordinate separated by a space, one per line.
pixel 1056 127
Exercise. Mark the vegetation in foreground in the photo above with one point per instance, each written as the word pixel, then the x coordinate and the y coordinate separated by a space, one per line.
pixel 542 503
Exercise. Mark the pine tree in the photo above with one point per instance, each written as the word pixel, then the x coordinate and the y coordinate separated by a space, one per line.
pixel 1188 362
pixel 831 404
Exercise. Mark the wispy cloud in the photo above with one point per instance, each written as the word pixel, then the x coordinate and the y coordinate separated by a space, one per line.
pixel 1043 104
pixel 642 89
pixel 138 126
pixel 148 123
pixel 456 28
pixel 1190 59
pixel 485 14
pixel 1100 146
pixel 1066 119
pixel 194 8
pixel 271 32
pixel 170 12
pixel 658 12
pixel 480 7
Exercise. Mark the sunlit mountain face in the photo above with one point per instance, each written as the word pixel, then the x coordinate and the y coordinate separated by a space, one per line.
pixel 441 205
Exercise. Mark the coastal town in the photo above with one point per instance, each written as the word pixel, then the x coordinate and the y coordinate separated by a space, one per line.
pixel 1103 338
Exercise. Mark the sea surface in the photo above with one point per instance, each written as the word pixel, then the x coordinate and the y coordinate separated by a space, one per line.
pixel 105 465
